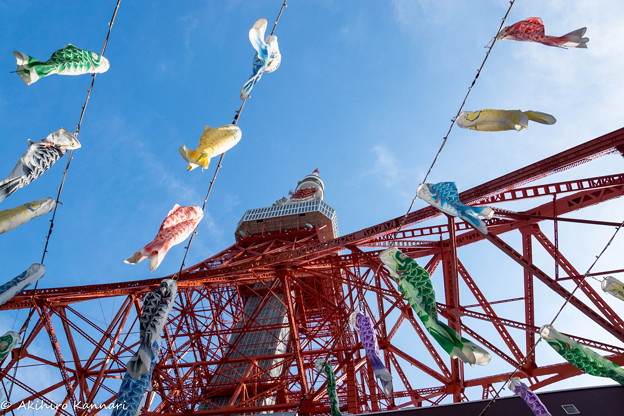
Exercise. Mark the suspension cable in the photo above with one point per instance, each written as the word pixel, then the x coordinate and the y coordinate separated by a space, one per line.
pixel 24 328
pixel 404 219
pixel 567 300
pixel 214 177
pixel 461 107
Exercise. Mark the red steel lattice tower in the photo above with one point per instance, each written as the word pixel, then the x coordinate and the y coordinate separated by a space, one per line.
pixel 249 322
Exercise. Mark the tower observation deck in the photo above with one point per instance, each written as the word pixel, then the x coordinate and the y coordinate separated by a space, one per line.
pixel 304 209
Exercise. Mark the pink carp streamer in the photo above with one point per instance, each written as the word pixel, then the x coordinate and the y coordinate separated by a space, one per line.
pixel 530 398
pixel 179 224
pixel 364 326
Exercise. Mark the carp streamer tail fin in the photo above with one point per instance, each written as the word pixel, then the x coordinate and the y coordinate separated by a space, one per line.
pixel 541 118
pixel 30 69
pixel 575 38
pixel 8 186
pixel 135 258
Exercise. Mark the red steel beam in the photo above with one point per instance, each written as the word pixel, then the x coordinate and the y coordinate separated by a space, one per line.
pixel 294 329
pixel 121 316
pixel 565 205
pixel 554 188
pixel 514 195
pixel 415 398
pixel 80 377
pixel 589 291
pixel 383 329
pixel 483 302
pixel 529 300
pixel 57 353
pixel 556 287
pixel 516 215
pixel 566 369
pixel 34 395
pixel 487 344
pixel 407 312
pixel 423 367
pixel 533 329
pixel 451 292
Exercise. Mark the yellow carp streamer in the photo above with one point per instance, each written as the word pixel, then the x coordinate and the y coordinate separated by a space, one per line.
pixel 213 142
pixel 14 217
pixel 613 286
pixel 499 120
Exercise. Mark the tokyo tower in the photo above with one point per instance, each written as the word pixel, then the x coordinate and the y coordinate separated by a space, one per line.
pixel 249 322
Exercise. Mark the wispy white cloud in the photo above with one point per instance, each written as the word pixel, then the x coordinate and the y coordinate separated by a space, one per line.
pixel 408 12
pixel 395 174
pixel 386 165
pixel 190 24
pixel 581 87
pixel 413 16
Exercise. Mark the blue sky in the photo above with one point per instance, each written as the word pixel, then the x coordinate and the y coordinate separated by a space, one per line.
pixel 365 92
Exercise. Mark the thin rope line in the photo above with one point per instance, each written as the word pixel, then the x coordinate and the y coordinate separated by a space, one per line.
pixel 617 230
pixel 582 279
pixel 15 320
pixel 284 5
pixel 214 177
pixel 454 119
pixel 404 219
pixel 24 328
pixel 78 126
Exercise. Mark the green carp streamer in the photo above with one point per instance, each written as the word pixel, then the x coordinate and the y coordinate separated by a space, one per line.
pixel 326 367
pixel 581 357
pixel 415 285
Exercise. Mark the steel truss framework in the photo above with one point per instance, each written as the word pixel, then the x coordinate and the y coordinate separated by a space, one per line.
pixel 319 285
